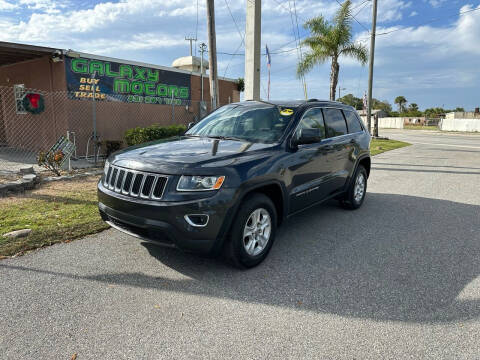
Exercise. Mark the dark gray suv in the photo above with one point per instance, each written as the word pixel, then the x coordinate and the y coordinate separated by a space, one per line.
pixel 234 176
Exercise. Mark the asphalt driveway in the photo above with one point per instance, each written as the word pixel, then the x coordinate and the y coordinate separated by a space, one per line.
pixel 399 278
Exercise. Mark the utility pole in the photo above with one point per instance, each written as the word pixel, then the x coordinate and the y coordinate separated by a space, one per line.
pixel 191 39
pixel 252 49
pixel 340 91
pixel 212 53
pixel 203 47
pixel 370 75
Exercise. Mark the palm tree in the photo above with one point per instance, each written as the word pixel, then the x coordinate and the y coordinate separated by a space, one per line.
pixel 413 107
pixel 401 101
pixel 330 40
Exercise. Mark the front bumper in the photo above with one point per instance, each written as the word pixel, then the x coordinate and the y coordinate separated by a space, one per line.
pixel 164 222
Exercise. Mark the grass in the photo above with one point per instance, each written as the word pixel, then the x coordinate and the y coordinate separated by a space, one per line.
pixel 421 127
pixel 57 212
pixel 61 211
pixel 378 146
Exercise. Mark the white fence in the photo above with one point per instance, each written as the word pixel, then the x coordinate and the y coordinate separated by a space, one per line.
pixel 386 123
pixel 468 125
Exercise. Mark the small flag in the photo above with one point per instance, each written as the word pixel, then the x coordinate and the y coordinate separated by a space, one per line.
pixel 269 59
pixel 269 64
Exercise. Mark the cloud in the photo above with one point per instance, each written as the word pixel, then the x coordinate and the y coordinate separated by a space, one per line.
pixel 388 11
pixel 422 60
pixel 413 13
pixel 415 60
pixel 6 5
pixel 436 3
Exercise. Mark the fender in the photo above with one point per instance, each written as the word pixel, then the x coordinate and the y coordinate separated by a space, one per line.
pixel 359 159
pixel 231 214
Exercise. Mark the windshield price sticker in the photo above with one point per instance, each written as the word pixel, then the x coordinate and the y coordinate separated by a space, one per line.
pixel 286 112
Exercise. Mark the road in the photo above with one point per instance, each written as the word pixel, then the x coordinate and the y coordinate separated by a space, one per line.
pixel 397 279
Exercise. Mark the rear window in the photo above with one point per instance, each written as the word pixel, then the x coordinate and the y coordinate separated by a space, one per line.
pixel 335 122
pixel 352 121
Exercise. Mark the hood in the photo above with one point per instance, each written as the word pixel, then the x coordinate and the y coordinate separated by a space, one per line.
pixel 187 152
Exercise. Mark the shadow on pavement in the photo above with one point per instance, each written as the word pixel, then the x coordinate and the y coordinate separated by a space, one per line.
pixel 399 258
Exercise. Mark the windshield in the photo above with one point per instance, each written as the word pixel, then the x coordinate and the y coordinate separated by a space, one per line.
pixel 265 123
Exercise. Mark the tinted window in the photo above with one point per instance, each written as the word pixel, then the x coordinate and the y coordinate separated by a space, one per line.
pixel 353 122
pixel 312 119
pixel 335 122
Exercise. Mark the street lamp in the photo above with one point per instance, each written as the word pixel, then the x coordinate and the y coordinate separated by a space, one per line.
pixel 340 91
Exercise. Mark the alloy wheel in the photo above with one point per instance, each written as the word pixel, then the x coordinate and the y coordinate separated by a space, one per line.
pixel 256 232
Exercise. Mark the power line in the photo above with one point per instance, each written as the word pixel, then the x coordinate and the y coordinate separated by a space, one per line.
pixel 356 7
pixel 235 22
pixel 232 56
pixel 431 21
pixel 365 3
pixel 242 38
pixel 196 32
pixel 423 23
pixel 283 5
pixel 354 18
pixel 298 45
pixel 263 54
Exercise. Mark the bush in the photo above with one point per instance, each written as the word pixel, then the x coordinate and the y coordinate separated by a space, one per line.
pixel 141 135
pixel 110 146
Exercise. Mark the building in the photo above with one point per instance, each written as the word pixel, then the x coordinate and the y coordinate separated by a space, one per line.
pixel 127 94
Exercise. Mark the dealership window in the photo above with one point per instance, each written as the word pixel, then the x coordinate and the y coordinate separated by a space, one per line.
pixel 19 92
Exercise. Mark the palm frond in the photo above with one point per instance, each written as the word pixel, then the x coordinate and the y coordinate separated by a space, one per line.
pixel 309 61
pixel 356 51
pixel 318 26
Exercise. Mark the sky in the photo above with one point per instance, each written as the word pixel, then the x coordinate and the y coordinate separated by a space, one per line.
pixel 426 50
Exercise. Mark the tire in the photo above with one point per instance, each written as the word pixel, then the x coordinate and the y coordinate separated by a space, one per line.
pixel 357 190
pixel 249 251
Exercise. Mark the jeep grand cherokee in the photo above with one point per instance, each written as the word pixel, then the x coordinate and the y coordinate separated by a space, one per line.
pixel 236 175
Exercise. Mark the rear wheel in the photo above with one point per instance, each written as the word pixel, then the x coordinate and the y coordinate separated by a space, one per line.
pixel 357 190
pixel 253 232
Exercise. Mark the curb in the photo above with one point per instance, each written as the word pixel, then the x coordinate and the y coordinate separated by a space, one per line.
pixel 30 181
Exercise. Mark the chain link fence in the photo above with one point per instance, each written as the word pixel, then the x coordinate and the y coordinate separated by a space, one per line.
pixel 83 120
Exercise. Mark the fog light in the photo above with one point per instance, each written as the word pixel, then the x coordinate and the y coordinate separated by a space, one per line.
pixel 197 220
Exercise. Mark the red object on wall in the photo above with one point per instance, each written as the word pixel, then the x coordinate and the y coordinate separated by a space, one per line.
pixel 34 99
pixel 34 103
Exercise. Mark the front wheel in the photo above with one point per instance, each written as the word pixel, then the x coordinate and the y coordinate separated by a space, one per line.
pixel 357 190
pixel 253 232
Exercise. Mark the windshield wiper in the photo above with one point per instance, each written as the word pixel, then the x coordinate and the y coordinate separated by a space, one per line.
pixel 221 137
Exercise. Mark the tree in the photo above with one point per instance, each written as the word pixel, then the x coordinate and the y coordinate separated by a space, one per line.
pixel 381 105
pixel 241 84
pixel 413 107
pixel 330 40
pixel 351 100
pixel 401 101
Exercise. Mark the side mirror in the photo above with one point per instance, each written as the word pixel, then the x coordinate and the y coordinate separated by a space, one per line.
pixel 307 136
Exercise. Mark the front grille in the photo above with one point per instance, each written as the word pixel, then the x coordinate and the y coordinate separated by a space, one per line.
pixel 135 183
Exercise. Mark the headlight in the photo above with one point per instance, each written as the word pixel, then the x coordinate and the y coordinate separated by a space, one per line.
pixel 105 169
pixel 200 183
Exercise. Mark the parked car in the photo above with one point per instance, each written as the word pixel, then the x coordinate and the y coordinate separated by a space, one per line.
pixel 230 181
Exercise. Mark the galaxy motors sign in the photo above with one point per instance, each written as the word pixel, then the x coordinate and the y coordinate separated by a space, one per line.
pixel 112 81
